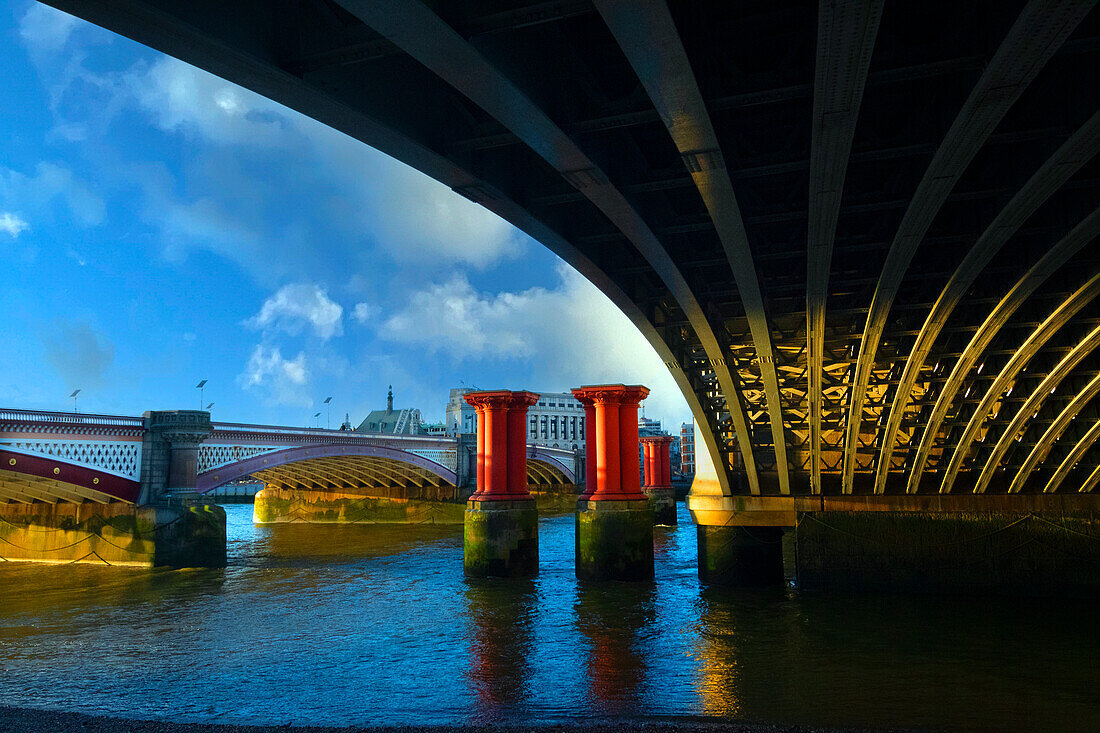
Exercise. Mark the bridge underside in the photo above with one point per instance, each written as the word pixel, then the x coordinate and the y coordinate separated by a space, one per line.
pixel 861 235
pixel 27 489
pixel 349 473
pixel 544 473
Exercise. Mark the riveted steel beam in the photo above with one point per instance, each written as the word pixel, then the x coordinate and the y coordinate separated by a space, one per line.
pixel 1092 481
pixel 1052 433
pixel 1034 401
pixel 1078 238
pixel 846 34
pixel 427 38
pixel 1040 30
pixel 1070 461
pixel 1080 148
pixel 648 37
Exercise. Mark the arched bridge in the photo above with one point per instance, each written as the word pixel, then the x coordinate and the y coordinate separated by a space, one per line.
pixel 862 235
pixel 72 457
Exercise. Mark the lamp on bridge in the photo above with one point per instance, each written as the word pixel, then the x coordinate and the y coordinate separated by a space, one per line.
pixel 200 387
pixel 315 416
pixel 210 407
pixel 73 395
pixel 328 417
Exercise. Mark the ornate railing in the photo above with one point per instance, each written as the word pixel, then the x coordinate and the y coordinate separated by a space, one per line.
pixel 72 418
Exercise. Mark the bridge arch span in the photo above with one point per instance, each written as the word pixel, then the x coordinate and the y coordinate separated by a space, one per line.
pixel 27 477
pixel 544 467
pixel 333 466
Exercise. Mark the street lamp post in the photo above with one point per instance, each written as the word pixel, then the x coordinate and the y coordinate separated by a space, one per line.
pixel 328 418
pixel 200 387
pixel 317 415
pixel 73 395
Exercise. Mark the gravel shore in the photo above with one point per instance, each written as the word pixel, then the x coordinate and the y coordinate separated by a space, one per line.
pixel 21 720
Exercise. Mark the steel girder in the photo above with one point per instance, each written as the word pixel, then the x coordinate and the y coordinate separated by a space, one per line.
pixel 684 157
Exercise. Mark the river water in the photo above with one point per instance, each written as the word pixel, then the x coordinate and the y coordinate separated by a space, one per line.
pixel 372 625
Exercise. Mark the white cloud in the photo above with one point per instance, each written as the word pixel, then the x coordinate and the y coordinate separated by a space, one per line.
pixel 43 28
pixel 567 336
pixel 182 98
pixel 296 306
pixel 412 218
pixel 282 380
pixel 365 312
pixel 40 193
pixel 12 224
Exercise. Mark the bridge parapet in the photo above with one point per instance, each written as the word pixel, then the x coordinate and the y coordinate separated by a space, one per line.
pixel 112 443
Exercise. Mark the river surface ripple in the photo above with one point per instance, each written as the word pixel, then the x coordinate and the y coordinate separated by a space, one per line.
pixel 375 625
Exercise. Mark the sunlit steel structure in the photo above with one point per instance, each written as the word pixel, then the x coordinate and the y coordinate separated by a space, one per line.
pixel 862 235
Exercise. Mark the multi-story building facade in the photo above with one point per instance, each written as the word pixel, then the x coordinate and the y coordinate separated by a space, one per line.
pixel 687 448
pixel 555 421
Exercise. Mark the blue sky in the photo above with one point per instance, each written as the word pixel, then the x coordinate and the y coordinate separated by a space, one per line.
pixel 159 226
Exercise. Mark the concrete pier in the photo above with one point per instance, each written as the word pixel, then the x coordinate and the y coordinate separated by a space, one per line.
pixel 381 505
pixel 614 539
pixel 501 524
pixel 113 534
pixel 740 556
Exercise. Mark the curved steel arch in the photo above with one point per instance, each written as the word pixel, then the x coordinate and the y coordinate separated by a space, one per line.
pixel 846 33
pixel 164 32
pixel 1031 346
pixel 648 37
pixel 1034 401
pixel 553 461
pixel 1079 237
pixel 1092 480
pixel 426 37
pixel 1038 32
pixel 1054 432
pixel 546 472
pixel 1075 454
pixel 1079 149
pixel 222 475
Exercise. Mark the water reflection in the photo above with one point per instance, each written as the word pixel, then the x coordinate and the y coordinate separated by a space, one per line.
pixel 502 613
pixel 375 625
pixel 613 618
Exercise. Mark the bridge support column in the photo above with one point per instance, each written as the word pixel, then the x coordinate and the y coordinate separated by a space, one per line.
pixel 614 520
pixel 501 527
pixel 658 479
pixel 190 532
pixel 740 538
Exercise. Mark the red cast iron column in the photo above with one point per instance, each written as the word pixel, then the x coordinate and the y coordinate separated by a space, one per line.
pixel 517 442
pixel 589 443
pixel 502 446
pixel 616 440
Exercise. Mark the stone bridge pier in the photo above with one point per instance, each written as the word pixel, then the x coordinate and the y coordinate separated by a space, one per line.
pixel 501 528
pixel 614 534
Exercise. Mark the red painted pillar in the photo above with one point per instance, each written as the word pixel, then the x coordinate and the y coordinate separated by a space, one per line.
pixel 615 439
pixel 607 445
pixel 647 447
pixel 517 442
pixel 501 444
pixel 658 468
pixel 589 444
pixel 479 410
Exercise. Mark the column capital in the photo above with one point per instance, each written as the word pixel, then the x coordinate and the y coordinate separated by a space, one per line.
pixel 657 439
pixel 501 399
pixel 610 394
